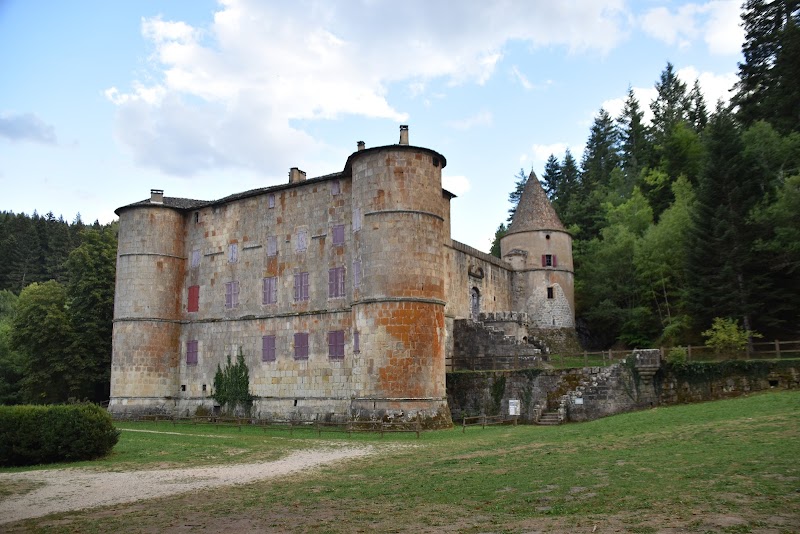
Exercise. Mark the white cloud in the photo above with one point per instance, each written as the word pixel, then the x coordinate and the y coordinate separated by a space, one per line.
pixel 644 95
pixel 540 153
pixel 457 185
pixel 482 118
pixel 234 94
pixel 713 86
pixel 716 22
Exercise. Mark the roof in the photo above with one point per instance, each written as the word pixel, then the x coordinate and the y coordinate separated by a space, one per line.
pixel 188 204
pixel 534 211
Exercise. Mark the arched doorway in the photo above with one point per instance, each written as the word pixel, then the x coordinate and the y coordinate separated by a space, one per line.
pixel 475 303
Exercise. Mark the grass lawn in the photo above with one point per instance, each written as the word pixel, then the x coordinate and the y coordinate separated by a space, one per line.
pixel 726 466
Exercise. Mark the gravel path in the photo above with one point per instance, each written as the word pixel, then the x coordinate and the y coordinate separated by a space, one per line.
pixel 74 489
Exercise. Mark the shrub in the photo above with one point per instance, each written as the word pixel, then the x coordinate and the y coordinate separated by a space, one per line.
pixel 31 435
pixel 726 336
pixel 677 355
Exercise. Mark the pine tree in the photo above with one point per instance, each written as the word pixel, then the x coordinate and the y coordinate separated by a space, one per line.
pixel 600 158
pixel 670 106
pixel 634 143
pixel 514 196
pixel 697 114
pixel 552 177
pixel 767 87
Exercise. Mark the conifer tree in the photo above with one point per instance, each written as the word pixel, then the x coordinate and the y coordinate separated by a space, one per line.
pixel 552 177
pixel 634 142
pixel 514 196
pixel 670 106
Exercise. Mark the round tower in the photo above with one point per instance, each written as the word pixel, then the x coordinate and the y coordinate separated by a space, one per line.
pixel 539 249
pixel 146 336
pixel 399 309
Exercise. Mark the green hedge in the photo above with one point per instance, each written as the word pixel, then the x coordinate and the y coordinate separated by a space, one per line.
pixel 31 435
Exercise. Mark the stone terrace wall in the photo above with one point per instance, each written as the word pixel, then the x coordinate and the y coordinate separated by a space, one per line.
pixel 612 390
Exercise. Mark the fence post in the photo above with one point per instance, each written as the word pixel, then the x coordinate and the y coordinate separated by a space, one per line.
pixel 688 353
pixel 777 350
pixel 463 424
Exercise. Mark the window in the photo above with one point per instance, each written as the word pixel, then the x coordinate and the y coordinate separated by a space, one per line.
pixel 336 282
pixel 357 273
pixel 268 349
pixel 196 217
pixel 300 287
pixel 191 352
pixel 550 292
pixel 336 345
pixel 195 261
pixel 194 299
pixel 356 219
pixel 270 290
pixel 271 200
pixel 338 235
pixel 231 294
pixel 272 245
pixel 336 187
pixel 233 253
pixel 549 260
pixel 301 346
pixel 356 341
pixel 302 240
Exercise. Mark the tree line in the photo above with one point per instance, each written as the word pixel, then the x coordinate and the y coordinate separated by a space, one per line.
pixel 56 308
pixel 694 215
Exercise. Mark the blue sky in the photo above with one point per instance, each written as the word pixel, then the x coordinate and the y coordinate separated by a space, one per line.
pixel 102 101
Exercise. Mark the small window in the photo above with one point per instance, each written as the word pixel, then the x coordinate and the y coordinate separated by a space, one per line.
pixel 336 282
pixel 549 260
pixel 336 345
pixel 233 253
pixel 271 200
pixel 356 341
pixel 191 352
pixel 336 187
pixel 232 294
pixel 550 293
pixel 195 261
pixel 194 299
pixel 268 349
pixel 301 346
pixel 300 287
pixel 272 245
pixel 196 217
pixel 270 290
pixel 356 219
pixel 301 243
pixel 357 273
pixel 338 235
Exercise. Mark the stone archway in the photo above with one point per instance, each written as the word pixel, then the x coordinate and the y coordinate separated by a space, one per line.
pixel 474 303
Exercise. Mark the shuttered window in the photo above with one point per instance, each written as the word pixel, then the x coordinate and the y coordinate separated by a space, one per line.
pixel 272 245
pixel 191 352
pixel 336 345
pixel 336 282
pixel 231 294
pixel 270 290
pixel 194 298
pixel 268 349
pixel 301 346
pixel 300 287
pixel 338 235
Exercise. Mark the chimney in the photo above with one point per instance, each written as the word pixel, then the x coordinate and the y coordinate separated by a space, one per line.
pixel 361 146
pixel 156 196
pixel 296 175
pixel 403 134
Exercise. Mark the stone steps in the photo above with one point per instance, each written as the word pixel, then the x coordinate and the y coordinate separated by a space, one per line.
pixel 549 419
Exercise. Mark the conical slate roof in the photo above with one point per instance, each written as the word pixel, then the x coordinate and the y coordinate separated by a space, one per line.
pixel 534 211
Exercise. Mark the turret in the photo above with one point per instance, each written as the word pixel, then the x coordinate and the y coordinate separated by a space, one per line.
pixel 539 249
pixel 146 335
pixel 399 309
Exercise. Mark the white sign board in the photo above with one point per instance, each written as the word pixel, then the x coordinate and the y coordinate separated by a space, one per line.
pixel 578 400
pixel 513 406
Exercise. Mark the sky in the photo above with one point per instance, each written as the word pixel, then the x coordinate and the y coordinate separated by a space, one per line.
pixel 102 101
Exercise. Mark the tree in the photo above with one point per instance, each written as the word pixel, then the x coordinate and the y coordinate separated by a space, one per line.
pixel 42 335
pixel 514 196
pixel 498 235
pixel 552 178
pixel 670 106
pixel 232 386
pixel 11 364
pixel 635 147
pixel 697 113
pixel 767 86
pixel 725 278
pixel 726 336
pixel 90 291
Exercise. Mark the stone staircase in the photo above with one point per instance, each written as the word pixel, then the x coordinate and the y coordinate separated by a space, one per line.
pixel 549 419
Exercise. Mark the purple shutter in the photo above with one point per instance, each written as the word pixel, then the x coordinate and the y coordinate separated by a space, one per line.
pixel 544 260
pixel 555 261
pixel 305 287
pixel 297 287
pixel 356 341
pixel 331 282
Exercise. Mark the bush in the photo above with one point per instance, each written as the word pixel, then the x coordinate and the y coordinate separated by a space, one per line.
pixel 677 355
pixel 31 435
pixel 726 336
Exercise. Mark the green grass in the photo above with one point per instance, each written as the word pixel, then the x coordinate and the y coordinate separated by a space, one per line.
pixel 734 462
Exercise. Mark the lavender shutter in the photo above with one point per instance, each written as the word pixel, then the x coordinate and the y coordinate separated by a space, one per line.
pixel 555 261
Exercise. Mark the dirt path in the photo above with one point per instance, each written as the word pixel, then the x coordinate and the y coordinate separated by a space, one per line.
pixel 63 490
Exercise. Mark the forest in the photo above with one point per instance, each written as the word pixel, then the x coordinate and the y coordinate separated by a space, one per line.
pixel 677 221
pixel 694 215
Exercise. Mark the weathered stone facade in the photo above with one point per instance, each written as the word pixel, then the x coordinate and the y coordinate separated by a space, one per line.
pixel 339 291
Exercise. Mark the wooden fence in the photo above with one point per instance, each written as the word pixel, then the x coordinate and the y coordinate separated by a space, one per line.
pixel 770 350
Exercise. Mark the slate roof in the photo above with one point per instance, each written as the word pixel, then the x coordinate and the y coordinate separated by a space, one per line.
pixel 534 211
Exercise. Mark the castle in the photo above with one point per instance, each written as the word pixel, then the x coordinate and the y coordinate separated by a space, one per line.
pixel 340 291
